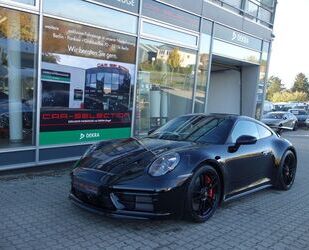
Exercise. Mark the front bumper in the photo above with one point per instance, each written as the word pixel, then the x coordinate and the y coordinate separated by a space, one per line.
pixel 132 203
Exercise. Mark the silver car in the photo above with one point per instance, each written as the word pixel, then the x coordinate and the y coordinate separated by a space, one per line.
pixel 280 120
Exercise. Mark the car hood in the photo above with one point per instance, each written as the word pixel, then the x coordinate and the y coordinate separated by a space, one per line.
pixel 269 121
pixel 128 157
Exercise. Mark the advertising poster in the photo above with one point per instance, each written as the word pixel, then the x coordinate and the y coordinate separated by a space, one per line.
pixel 87 83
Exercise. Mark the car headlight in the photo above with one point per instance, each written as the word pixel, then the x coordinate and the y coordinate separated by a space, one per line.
pixel 164 164
pixel 90 150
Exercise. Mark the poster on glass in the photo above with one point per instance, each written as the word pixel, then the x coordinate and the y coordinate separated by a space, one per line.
pixel 87 83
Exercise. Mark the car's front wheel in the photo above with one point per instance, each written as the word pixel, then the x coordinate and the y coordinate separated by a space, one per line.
pixel 203 195
pixel 286 171
pixel 295 126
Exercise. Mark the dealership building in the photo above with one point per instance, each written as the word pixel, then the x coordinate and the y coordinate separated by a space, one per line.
pixel 74 72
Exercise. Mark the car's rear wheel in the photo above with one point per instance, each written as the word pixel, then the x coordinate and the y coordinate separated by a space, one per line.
pixel 287 171
pixel 203 195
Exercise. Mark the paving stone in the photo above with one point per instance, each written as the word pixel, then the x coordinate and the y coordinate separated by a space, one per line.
pixel 35 213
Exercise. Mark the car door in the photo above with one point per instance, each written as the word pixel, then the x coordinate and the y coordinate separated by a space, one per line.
pixel 291 120
pixel 246 166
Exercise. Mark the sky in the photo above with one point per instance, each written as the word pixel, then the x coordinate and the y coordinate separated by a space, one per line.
pixel 290 51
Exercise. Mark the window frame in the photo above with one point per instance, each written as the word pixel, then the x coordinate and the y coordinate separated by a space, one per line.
pixel 160 24
pixel 21 6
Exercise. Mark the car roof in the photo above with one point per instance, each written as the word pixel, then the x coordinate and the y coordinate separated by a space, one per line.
pixel 278 112
pixel 220 115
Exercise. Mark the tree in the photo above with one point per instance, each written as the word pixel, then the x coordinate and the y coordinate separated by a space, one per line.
pixel 287 96
pixel 174 59
pixel 301 84
pixel 51 58
pixel 274 85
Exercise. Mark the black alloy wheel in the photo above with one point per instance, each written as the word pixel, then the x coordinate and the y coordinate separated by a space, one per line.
pixel 204 194
pixel 287 171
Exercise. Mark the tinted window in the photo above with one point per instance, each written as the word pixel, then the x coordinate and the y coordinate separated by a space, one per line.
pixel 169 34
pixel 244 128
pixel 263 132
pixel 274 115
pixel 18 77
pixel 204 129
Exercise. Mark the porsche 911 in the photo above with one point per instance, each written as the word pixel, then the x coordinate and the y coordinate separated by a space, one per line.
pixel 184 169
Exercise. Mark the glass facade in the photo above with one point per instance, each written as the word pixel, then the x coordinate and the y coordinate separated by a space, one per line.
pixel 31 2
pixel 261 11
pixel 165 84
pixel 18 73
pixel 202 74
pixel 262 80
pixel 111 71
pixel 104 17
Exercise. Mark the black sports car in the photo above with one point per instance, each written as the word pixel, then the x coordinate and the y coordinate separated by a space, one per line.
pixel 187 167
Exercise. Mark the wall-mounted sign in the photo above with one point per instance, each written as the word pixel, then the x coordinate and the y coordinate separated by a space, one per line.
pixel 129 5
pixel 237 37
pixel 171 15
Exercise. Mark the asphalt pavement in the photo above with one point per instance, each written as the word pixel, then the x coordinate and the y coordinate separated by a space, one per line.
pixel 35 213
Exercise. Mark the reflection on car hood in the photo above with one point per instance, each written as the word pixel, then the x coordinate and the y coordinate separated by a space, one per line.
pixel 119 157
pixel 271 121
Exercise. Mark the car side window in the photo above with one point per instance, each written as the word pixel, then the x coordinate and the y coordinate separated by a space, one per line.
pixel 263 132
pixel 244 128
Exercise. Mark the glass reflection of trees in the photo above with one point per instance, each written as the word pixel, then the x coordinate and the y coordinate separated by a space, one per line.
pixel 165 83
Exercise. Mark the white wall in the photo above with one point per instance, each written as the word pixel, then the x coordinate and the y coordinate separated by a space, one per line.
pixel 250 76
pixel 224 92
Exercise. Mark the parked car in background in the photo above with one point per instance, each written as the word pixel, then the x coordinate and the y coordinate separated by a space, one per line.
pixel 301 115
pixel 268 107
pixel 280 120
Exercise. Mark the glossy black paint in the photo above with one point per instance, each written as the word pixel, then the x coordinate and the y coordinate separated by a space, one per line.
pixel 114 180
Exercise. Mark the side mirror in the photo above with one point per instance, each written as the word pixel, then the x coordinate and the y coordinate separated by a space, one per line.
pixel 242 140
pixel 246 140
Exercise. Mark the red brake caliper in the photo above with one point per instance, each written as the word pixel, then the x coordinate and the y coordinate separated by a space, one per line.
pixel 210 191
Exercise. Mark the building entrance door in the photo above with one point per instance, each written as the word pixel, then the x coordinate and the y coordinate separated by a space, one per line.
pixel 232 87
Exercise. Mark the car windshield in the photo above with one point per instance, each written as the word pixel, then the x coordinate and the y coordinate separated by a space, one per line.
pixel 202 129
pixel 274 115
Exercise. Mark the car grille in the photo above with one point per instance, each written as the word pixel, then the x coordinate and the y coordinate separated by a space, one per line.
pixel 102 201
pixel 142 202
